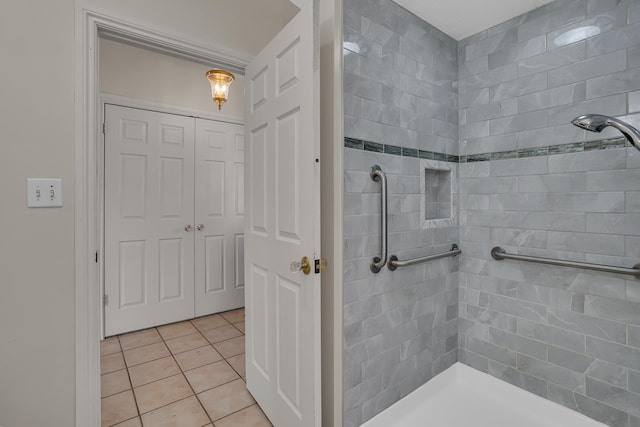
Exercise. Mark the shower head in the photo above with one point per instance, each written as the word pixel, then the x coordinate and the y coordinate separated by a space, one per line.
pixel 597 122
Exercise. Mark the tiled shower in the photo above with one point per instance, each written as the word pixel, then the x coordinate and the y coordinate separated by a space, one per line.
pixel 495 110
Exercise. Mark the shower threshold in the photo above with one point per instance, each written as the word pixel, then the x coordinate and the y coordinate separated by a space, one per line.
pixel 462 396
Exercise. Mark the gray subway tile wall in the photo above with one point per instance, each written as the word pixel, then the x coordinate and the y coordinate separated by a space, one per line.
pixel 499 104
pixel 400 327
pixel 401 106
pixel 573 332
pixel 400 78
pixel 553 85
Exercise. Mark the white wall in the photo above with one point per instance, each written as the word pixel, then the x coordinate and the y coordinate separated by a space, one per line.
pixel 142 74
pixel 224 23
pixel 36 249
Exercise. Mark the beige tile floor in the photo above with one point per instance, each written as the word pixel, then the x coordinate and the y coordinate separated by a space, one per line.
pixel 187 374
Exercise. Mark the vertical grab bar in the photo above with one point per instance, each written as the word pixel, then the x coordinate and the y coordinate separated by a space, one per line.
pixel 377 175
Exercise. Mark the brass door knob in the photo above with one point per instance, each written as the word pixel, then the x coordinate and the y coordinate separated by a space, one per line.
pixel 303 265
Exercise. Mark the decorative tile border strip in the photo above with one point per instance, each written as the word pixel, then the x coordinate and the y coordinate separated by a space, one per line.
pixel 376 147
pixel 573 147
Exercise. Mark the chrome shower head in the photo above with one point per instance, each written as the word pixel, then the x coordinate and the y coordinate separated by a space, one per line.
pixel 597 122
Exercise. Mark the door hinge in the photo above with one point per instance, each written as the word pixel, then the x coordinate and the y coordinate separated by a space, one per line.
pixel 105 300
pixel 96 256
pixel 320 265
pixel 104 128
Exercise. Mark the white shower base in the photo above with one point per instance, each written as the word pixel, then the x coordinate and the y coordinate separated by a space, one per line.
pixel 462 396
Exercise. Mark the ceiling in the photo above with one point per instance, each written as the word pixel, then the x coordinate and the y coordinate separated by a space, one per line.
pixel 247 25
pixel 463 18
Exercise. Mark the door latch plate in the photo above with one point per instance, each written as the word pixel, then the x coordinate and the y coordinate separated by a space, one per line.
pixel 320 265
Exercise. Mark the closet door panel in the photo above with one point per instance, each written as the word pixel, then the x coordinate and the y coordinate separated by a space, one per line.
pixel 219 216
pixel 148 253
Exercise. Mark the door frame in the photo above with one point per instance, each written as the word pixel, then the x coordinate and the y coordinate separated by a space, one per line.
pixel 88 25
pixel 139 104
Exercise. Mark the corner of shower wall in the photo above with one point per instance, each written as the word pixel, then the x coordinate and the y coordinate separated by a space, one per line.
pixel 527 180
pixel 401 109
pixel 533 184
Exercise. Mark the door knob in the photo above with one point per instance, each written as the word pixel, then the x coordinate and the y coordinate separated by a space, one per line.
pixel 188 227
pixel 303 265
pixel 200 227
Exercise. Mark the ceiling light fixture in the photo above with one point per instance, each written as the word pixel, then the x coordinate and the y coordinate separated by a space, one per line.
pixel 220 81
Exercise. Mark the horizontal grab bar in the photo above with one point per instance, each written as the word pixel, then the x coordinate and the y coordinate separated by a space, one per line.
pixel 395 263
pixel 499 254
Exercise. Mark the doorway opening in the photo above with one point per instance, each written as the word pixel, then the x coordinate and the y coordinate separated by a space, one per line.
pixel 139 28
pixel 173 217
pixel 202 323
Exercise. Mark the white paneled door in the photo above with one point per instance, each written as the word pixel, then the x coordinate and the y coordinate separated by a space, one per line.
pixel 282 226
pixel 149 255
pixel 219 217
pixel 171 238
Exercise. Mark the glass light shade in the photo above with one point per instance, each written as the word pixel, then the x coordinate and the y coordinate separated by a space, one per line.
pixel 220 81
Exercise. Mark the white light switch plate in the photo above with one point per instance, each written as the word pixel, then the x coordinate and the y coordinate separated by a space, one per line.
pixel 44 193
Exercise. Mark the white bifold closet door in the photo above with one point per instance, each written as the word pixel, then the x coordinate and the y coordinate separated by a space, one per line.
pixel 219 217
pixel 173 235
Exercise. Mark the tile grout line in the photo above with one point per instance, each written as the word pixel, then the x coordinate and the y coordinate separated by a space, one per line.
pixel 177 364
pixel 183 375
pixel 230 365
pixel 233 367
pixel 187 380
pixel 135 400
pixel 243 379
pixel 182 372
pixel 165 343
pixel 239 410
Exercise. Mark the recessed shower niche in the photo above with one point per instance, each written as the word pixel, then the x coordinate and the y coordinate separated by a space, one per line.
pixel 437 194
pixel 438 189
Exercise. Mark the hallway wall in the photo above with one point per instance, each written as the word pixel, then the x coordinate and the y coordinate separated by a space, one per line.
pixel 138 73
pixel 205 23
pixel 36 254
pixel 533 184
